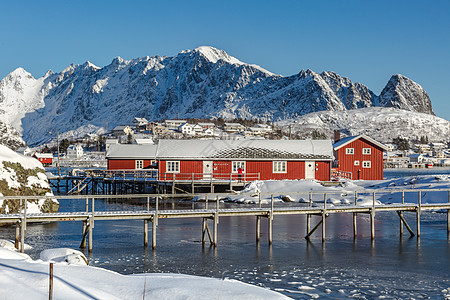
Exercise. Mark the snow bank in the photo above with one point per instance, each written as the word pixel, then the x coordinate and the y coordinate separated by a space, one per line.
pixel 23 176
pixel 70 256
pixel 23 278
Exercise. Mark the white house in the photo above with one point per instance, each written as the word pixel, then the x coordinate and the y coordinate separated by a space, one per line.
pixel 416 158
pixel 75 151
pixel 110 142
pixel 186 129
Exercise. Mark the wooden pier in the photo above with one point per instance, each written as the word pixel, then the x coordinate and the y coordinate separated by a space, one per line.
pixel 149 211
pixel 119 182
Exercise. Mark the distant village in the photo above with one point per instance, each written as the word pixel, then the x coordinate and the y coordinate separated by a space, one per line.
pixel 89 151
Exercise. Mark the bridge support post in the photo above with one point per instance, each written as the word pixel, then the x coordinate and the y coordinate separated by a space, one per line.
pixel 448 218
pixel 145 233
pixel 418 211
pixel 91 225
pixel 324 215
pixel 154 232
pixel 17 236
pixel 203 230
pixel 258 228
pixel 83 239
pixel 372 218
pixel 270 221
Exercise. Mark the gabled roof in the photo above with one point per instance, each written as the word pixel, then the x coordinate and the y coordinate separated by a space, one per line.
pixel 130 151
pixel 245 149
pixel 345 141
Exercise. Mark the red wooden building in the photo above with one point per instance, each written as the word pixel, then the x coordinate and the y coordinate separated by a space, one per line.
pixel 131 157
pixel 45 158
pixel 360 156
pixel 221 159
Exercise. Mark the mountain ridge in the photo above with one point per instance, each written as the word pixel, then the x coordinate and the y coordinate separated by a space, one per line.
pixel 204 82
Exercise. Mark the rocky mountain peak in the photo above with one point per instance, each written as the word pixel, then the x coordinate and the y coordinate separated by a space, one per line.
pixel 401 92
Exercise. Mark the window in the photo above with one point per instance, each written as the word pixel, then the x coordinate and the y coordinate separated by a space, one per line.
pixel 279 167
pixel 238 164
pixel 356 163
pixel 139 164
pixel 172 166
pixel 366 164
pixel 349 151
pixel 367 151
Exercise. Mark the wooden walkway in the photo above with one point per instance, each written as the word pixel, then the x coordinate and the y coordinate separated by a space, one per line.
pixel 150 211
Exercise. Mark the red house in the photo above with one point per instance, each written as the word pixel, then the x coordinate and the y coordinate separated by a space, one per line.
pixel 360 156
pixel 45 158
pixel 259 159
pixel 131 157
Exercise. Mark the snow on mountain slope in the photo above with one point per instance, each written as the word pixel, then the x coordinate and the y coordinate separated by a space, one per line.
pixel 20 93
pixel 382 124
pixel 204 82
pixel 401 92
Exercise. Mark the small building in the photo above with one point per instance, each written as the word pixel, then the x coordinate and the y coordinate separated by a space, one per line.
pixel 233 127
pixel 156 129
pixel 24 151
pixel 45 158
pixel 131 156
pixel 198 130
pixel 174 124
pixel 360 156
pixel 207 125
pixel 75 151
pixel 140 124
pixel 416 158
pixel 186 129
pixel 109 142
pixel 259 159
pixel 122 130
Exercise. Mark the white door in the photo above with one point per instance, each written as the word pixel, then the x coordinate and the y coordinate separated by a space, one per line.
pixel 310 169
pixel 207 169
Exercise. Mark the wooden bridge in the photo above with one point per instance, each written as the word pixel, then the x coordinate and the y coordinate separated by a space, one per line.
pixel 150 211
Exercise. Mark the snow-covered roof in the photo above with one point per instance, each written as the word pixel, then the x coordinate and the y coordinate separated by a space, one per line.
pixel 206 124
pixel 128 151
pixel 345 141
pixel 43 155
pixel 245 149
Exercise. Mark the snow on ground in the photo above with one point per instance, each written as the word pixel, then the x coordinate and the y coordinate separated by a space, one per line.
pixel 24 278
pixel 386 191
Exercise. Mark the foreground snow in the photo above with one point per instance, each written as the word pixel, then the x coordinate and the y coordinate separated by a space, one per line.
pixel 24 278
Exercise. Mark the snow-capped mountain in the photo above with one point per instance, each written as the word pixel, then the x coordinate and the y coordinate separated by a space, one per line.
pixel 204 82
pixel 381 123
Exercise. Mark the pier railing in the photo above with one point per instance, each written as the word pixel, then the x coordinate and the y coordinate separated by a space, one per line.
pixel 152 207
pixel 245 177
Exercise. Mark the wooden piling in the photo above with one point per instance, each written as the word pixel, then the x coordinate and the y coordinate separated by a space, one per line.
pixel 91 225
pixel 17 236
pixel 203 230
pixel 145 233
pixel 448 218
pixel 50 284
pixel 270 221
pixel 418 211
pixel 372 218
pixel 308 216
pixel 258 228
pixel 154 232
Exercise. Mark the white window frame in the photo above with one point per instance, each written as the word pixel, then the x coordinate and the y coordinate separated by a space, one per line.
pixel 367 164
pixel 173 166
pixel 367 151
pixel 349 150
pixel 139 164
pixel 279 166
pixel 236 164
pixel 356 163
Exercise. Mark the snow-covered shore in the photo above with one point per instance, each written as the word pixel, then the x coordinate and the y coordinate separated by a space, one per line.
pixel 24 278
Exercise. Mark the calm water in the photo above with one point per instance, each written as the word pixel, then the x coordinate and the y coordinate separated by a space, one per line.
pixel 343 267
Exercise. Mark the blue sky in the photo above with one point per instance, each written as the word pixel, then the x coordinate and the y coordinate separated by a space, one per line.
pixel 367 41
